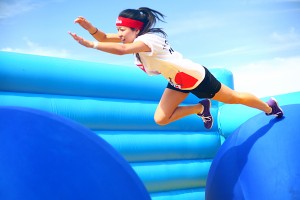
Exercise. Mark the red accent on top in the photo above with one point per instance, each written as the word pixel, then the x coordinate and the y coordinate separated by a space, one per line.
pixel 185 80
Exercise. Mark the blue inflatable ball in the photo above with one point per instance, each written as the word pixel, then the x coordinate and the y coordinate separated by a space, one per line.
pixel 47 157
pixel 259 161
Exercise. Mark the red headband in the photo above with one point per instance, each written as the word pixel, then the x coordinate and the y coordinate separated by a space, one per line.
pixel 122 21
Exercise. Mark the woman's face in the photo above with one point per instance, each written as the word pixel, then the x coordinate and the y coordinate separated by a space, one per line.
pixel 126 34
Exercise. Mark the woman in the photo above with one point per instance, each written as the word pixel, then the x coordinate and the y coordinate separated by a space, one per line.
pixel 137 35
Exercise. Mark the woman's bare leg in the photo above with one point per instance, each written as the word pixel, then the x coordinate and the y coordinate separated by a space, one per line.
pixel 168 109
pixel 229 96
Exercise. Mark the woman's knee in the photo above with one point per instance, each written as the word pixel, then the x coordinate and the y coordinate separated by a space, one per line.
pixel 161 120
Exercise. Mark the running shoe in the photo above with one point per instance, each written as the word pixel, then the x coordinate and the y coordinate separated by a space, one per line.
pixel 205 115
pixel 276 110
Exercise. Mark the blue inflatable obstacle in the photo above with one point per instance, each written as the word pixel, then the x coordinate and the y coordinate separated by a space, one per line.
pixel 172 161
pixel 44 156
pixel 260 160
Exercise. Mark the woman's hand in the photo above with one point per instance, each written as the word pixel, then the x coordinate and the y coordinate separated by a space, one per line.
pixel 85 24
pixel 82 41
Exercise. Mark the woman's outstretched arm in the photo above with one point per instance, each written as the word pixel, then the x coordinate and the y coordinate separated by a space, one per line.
pixel 95 32
pixel 111 47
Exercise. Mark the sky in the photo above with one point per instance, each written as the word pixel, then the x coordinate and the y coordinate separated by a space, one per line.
pixel 257 40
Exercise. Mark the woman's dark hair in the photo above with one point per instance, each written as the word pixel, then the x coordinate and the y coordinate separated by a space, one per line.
pixel 146 15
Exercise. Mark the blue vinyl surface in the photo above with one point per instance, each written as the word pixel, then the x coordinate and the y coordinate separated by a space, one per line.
pixel 44 156
pixel 115 104
pixel 260 160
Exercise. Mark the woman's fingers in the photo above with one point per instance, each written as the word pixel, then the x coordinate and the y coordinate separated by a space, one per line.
pixel 79 19
pixel 76 37
pixel 83 22
pixel 72 34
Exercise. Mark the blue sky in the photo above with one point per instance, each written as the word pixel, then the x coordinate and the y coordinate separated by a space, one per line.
pixel 258 40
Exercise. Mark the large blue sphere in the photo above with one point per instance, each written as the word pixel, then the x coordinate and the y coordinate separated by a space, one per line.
pixel 47 157
pixel 259 161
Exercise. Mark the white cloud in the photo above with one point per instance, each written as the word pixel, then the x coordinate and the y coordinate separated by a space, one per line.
pixel 290 36
pixel 12 8
pixel 36 49
pixel 194 22
pixel 270 1
pixel 279 42
pixel 229 52
pixel 269 77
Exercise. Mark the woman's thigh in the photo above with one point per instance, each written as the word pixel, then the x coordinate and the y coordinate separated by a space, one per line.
pixel 227 95
pixel 168 103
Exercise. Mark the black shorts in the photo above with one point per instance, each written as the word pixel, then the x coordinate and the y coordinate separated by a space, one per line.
pixel 206 89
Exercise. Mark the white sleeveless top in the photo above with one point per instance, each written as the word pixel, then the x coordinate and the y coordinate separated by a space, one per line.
pixel 180 72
